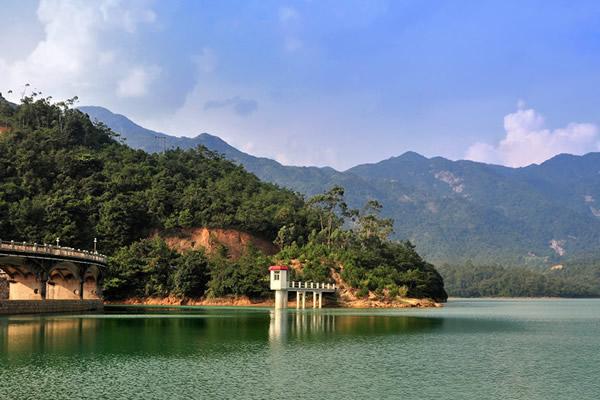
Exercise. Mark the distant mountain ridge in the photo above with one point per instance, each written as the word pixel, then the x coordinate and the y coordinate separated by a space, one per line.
pixel 454 211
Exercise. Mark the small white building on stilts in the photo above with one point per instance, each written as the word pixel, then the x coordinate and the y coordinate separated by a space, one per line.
pixel 281 285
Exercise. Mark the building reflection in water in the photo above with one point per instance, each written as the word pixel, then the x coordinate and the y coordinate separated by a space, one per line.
pixel 30 335
pixel 278 326
pixel 299 325
pixel 307 326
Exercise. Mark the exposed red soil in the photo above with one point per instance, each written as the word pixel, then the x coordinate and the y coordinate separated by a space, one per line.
pixel 236 242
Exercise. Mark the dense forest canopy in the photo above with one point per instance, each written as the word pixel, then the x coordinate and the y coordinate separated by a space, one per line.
pixel 64 176
pixel 453 211
pixel 573 279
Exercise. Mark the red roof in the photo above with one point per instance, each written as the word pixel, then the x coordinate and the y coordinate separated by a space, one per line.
pixel 278 268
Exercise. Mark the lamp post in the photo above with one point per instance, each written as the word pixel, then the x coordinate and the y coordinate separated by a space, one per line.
pixel 57 242
pixel 95 245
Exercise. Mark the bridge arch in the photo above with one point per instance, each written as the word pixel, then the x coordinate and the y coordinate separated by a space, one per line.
pixel 26 281
pixel 91 283
pixel 64 282
pixel 39 272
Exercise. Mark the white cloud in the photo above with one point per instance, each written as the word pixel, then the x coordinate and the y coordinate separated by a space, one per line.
pixel 528 141
pixel 207 61
pixel 83 51
pixel 279 131
pixel 288 14
pixel 126 19
pixel 292 44
pixel 136 83
pixel 289 19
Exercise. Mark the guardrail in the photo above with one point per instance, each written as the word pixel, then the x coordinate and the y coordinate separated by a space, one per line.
pixel 47 249
pixel 311 285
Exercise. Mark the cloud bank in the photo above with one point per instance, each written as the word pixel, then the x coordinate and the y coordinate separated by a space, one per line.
pixel 528 141
pixel 84 50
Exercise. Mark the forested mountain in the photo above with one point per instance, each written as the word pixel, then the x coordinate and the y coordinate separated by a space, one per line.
pixel 306 180
pixel 63 176
pixel 454 211
pixel 579 279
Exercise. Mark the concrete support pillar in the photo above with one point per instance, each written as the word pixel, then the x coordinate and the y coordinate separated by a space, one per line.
pixel 297 300
pixel 81 288
pixel 314 299
pixel 281 299
pixel 81 281
pixel 43 279
pixel 303 300
pixel 320 299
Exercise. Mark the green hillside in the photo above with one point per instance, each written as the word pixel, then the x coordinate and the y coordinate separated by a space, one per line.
pixel 454 211
pixel 63 176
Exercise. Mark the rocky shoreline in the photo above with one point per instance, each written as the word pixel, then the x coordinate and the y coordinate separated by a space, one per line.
pixel 243 301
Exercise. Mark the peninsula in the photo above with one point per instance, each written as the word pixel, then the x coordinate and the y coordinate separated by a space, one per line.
pixel 64 176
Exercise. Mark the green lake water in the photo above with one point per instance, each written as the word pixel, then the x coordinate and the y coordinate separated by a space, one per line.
pixel 470 349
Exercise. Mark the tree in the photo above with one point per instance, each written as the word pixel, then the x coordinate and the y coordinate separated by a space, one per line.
pixel 63 175
pixel 333 211
pixel 371 226
pixel 191 276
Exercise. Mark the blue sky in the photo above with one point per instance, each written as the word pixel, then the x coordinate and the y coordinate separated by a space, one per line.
pixel 326 82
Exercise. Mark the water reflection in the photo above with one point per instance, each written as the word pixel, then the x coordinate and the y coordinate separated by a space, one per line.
pixel 134 335
pixel 37 335
pixel 457 353
pixel 278 326
pixel 204 331
pixel 318 325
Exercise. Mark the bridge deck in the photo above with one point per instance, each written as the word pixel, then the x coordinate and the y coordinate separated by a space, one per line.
pixel 49 251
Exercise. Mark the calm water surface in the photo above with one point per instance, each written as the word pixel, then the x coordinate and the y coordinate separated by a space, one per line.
pixel 502 349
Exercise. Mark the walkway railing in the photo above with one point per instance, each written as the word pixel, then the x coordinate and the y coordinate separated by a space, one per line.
pixel 46 249
pixel 311 285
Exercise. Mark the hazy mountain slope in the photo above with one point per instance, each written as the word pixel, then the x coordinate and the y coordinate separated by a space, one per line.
pixel 307 180
pixel 453 210
pixel 492 213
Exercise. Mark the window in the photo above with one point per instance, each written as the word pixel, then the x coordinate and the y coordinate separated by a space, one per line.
pixel 276 275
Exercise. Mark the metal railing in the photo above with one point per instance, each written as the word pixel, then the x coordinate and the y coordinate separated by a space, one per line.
pixel 312 285
pixel 47 249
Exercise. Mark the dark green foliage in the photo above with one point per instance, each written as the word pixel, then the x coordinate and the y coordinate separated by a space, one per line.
pixel 453 211
pixel 62 176
pixel 363 255
pixel 192 274
pixel 247 276
pixel 143 269
pixel 572 280
pixel 392 264
pixel 149 268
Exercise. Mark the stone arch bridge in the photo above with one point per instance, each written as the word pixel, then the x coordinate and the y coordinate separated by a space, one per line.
pixel 45 272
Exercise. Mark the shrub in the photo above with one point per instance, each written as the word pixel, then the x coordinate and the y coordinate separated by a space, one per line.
pixel 403 291
pixel 393 291
pixel 362 292
pixel 191 276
